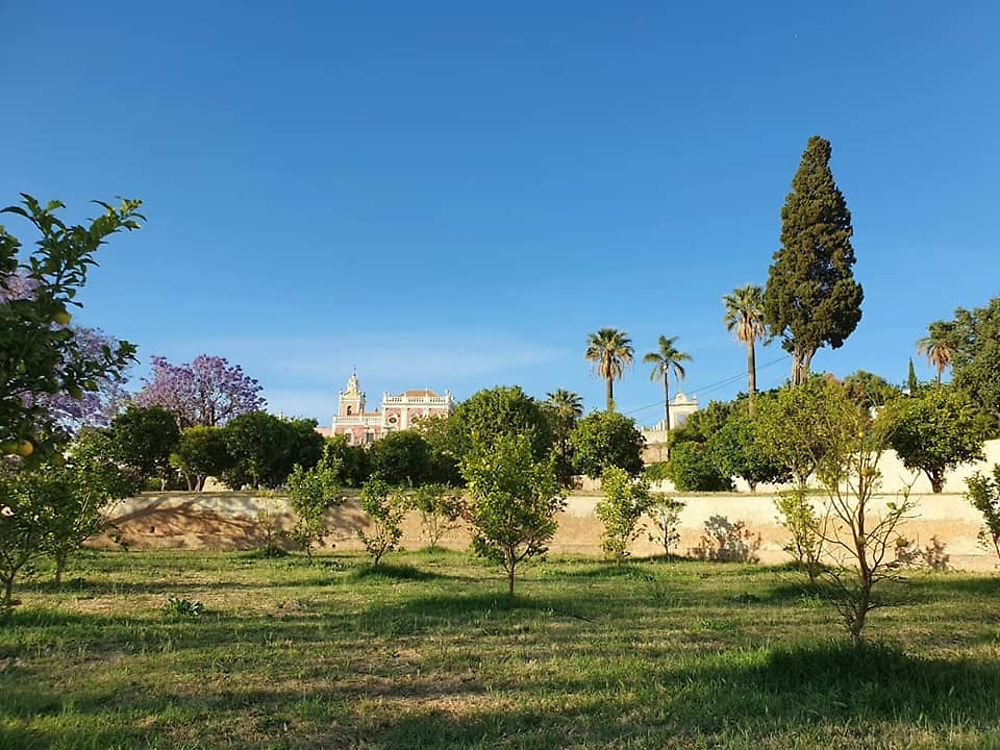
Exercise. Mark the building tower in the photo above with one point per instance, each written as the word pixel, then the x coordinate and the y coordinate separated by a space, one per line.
pixel 352 400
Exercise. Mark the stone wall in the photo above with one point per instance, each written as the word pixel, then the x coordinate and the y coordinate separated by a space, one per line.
pixel 228 521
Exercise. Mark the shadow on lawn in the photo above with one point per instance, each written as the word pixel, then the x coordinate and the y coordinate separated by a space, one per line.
pixel 826 691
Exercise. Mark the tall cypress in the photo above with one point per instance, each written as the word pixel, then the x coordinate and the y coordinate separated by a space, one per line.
pixel 912 384
pixel 812 299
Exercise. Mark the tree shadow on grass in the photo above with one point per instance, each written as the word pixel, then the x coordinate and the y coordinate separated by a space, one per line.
pixel 753 698
pixel 395 572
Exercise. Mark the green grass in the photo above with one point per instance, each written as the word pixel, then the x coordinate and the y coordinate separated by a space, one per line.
pixel 428 652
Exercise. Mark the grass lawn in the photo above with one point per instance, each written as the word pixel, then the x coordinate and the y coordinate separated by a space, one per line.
pixel 432 654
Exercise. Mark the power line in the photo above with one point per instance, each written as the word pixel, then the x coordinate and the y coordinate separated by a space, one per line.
pixel 712 386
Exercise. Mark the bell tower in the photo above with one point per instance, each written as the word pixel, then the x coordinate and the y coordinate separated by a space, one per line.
pixel 351 399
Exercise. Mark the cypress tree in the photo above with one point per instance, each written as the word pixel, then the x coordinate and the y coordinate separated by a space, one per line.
pixel 812 299
pixel 911 379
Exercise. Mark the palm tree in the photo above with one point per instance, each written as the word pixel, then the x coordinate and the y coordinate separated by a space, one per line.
pixel 666 359
pixel 936 348
pixel 611 352
pixel 565 408
pixel 744 318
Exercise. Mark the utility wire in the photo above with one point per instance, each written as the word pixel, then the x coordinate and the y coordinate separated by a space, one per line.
pixel 712 386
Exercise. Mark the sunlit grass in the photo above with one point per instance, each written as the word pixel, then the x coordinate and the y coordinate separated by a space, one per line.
pixel 429 652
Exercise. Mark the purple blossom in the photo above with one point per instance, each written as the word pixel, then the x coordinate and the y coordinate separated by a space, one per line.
pixel 94 408
pixel 208 391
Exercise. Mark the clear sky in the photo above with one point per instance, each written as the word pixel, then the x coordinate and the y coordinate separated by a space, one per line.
pixel 452 195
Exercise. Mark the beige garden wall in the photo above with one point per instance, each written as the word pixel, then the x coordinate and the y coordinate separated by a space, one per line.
pixel 227 521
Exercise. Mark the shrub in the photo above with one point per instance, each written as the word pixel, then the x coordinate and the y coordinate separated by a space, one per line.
pixel 692 470
pixel 183 609
pixel 385 511
pixel 606 439
pixel 805 528
pixel 513 502
pixel 440 507
pixel 664 513
pixel 311 492
pixel 984 494
pixel 621 507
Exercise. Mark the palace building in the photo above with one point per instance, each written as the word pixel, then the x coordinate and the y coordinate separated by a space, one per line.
pixel 399 412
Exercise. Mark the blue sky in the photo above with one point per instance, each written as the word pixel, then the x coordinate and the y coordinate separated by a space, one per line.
pixel 451 195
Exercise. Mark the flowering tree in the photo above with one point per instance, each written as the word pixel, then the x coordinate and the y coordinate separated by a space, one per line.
pixel 93 408
pixel 208 392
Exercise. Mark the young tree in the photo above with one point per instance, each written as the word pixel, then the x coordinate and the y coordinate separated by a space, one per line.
pixel 665 360
pixel 935 431
pixel 603 439
pixel 611 352
pixel 744 319
pixel 402 458
pixel 42 356
pixel 984 494
pixel 861 535
pixel 564 409
pixel 625 500
pixel 806 529
pixel 811 299
pixel 143 439
pixel 25 518
pixel 385 510
pixel 311 493
pixel 440 507
pixel 513 502
pixel 201 453
pixel 207 392
pixel 665 513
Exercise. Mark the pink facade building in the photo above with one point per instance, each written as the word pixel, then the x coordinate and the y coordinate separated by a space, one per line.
pixel 398 412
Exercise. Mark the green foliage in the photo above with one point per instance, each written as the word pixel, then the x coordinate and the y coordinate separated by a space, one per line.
pixel 812 299
pixel 448 443
pixel 868 390
pixel 501 412
pixel 402 458
pixel 665 512
pixel 657 472
pixel 143 439
pixel 513 501
pixel 984 494
pixel 440 506
pixel 692 470
pixel 604 439
pixel 806 530
pixel 385 509
pixel 912 384
pixel 788 424
pixel 563 409
pixel 351 462
pixel 935 431
pixel 738 450
pixel 311 492
pixel 201 453
pixel 177 608
pixel 611 351
pixel 704 423
pixel 624 501
pixel 264 448
pixel 42 354
pixel 974 353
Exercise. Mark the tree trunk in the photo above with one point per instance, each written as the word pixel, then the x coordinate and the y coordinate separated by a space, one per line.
pixel 751 372
pixel 666 409
pixel 8 591
pixel 611 394
pixel 60 567
pixel 937 481
pixel 510 580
